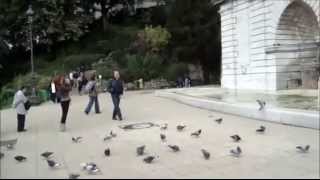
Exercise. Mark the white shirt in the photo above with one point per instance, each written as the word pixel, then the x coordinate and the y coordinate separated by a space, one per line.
pixel 18 102
pixel 71 76
pixel 53 88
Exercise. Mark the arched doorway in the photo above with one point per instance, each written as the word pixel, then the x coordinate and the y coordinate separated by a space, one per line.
pixel 297 41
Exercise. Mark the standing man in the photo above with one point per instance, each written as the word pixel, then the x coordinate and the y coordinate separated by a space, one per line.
pixel 116 90
pixel 187 81
pixel 19 104
pixel 93 95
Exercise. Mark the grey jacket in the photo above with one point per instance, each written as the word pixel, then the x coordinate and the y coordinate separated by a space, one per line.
pixel 18 102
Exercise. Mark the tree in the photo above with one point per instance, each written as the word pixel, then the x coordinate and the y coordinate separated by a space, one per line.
pixel 195 29
pixel 54 21
pixel 112 9
pixel 152 40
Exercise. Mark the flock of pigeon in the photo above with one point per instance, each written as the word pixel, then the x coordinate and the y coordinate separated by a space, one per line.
pixel 91 168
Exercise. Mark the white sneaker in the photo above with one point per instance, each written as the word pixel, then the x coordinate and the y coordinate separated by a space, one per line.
pixel 62 127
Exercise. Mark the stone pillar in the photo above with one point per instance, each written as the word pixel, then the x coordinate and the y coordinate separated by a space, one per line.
pixel 319 94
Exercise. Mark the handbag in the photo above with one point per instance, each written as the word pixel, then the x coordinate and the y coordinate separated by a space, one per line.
pixel 27 105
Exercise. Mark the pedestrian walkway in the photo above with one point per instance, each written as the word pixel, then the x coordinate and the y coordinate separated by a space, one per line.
pixel 269 155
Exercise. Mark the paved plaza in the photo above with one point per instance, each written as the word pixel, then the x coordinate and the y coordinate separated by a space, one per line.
pixel 269 155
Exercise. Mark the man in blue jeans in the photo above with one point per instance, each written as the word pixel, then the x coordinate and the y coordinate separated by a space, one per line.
pixel 93 95
pixel 116 90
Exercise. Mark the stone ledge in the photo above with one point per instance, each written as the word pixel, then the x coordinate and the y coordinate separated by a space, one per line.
pixel 294 117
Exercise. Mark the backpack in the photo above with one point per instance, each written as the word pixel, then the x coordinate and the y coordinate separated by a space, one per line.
pixel 89 87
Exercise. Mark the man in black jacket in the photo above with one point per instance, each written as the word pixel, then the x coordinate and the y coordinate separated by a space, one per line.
pixel 116 90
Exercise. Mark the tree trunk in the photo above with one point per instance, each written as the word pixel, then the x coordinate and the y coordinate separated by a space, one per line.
pixel 104 12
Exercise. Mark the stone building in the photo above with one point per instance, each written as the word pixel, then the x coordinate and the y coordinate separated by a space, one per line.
pixel 270 44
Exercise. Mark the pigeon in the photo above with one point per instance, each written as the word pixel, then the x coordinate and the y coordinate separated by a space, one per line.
pixel 236 152
pixel 53 164
pixel 197 133
pixel 163 137
pixel 20 158
pixel 261 129
pixel 219 121
pixel 10 144
pixel 180 127
pixel 74 176
pixel 174 148
pixel 149 159
pixel 113 134
pixel 92 168
pixel 236 138
pixel 85 165
pixel 107 152
pixel 164 127
pixel 303 149
pixel 262 104
pixel 206 154
pixel 1 155
pixel 76 139
pixel 46 154
pixel 140 150
pixel 107 138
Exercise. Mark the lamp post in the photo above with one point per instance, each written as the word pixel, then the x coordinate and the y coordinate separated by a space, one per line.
pixel 30 14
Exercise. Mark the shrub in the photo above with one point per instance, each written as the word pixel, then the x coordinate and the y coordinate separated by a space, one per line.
pixel 146 67
pixel 74 61
pixel 105 68
pixel 41 82
pixel 6 97
pixel 176 70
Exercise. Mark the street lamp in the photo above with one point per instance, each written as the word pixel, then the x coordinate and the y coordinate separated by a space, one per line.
pixel 30 14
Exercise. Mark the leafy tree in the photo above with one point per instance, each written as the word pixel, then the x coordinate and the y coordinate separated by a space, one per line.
pixel 195 29
pixel 152 40
pixel 112 10
pixel 54 21
pixel 156 38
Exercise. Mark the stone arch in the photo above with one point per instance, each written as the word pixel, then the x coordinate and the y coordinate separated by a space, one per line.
pixel 278 9
pixel 296 38
pixel 298 23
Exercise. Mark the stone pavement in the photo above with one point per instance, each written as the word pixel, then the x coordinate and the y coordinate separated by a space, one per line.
pixel 272 155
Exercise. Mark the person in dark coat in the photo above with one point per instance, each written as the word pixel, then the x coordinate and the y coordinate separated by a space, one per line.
pixel 116 90
pixel 180 82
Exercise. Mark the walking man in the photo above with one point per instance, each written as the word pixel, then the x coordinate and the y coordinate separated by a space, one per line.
pixel 93 95
pixel 116 90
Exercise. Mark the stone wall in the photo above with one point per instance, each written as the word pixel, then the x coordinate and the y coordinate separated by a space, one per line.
pixel 152 84
pixel 253 29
